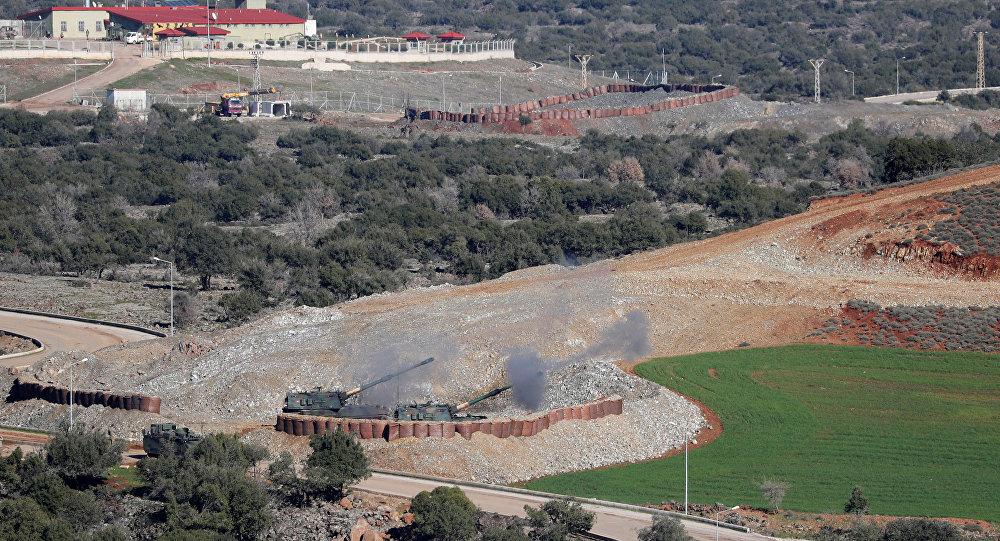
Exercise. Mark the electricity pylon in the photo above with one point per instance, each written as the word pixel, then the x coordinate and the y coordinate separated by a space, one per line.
pixel 816 63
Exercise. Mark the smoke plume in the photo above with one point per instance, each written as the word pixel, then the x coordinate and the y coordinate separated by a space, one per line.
pixel 627 339
pixel 526 375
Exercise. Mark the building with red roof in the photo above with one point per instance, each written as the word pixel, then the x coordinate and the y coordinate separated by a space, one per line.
pixel 416 35
pixel 449 37
pixel 169 33
pixel 100 22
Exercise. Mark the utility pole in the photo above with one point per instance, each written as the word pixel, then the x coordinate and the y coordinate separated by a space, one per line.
pixel 570 55
pixel 685 476
pixel 256 87
pixel 208 23
pixel 500 91
pixel 816 64
pixel 897 72
pixel 583 59
pixel 852 80
pixel 663 67
pixel 981 64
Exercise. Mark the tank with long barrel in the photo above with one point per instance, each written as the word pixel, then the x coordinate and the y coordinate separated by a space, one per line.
pixel 430 411
pixel 334 402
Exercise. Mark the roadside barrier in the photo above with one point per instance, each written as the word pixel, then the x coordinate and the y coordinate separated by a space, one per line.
pixel 26 390
pixel 307 425
pixel 538 109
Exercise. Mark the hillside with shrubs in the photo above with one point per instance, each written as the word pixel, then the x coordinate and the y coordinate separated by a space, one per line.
pixel 92 194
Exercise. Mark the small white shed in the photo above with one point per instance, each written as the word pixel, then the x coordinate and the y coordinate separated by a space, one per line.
pixel 127 99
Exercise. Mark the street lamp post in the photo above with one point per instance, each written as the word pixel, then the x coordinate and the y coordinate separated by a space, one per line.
pixel 897 72
pixel 72 387
pixel 852 80
pixel 685 477
pixel 718 516
pixel 171 263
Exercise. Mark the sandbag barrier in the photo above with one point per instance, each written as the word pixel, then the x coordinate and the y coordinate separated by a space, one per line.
pixel 535 109
pixel 22 390
pixel 307 425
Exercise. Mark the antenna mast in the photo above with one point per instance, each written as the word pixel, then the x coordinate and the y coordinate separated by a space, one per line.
pixel 816 63
pixel 981 64
pixel 256 86
pixel 583 59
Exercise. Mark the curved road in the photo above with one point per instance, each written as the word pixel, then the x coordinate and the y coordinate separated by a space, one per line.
pixel 62 335
pixel 611 522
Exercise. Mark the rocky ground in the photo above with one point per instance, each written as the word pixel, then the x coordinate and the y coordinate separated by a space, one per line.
pixel 10 343
pixel 768 285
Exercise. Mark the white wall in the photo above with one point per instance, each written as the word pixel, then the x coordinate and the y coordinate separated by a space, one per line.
pixel 344 56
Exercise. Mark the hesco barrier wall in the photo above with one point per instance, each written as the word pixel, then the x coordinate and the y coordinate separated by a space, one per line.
pixel 22 390
pixel 307 425
pixel 535 109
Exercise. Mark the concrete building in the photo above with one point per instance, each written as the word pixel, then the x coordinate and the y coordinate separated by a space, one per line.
pixel 248 24
pixel 127 99
pixel 68 22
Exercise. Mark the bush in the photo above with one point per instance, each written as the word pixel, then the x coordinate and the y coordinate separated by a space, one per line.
pixel 773 491
pixel 444 513
pixel 920 529
pixel 82 457
pixel 337 460
pixel 556 519
pixel 664 528
pixel 857 503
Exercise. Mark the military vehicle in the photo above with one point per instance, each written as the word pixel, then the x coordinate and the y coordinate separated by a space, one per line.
pixel 430 411
pixel 163 436
pixel 334 403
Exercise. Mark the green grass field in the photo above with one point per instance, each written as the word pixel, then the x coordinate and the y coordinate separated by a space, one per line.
pixel 919 431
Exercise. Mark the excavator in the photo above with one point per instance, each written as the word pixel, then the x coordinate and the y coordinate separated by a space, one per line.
pixel 233 103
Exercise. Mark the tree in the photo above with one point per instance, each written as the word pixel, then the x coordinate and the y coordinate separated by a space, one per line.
pixel 944 96
pixel 82 457
pixel 626 169
pixel 337 460
pixel 444 513
pixel 282 474
pixel 857 503
pixel 208 252
pixel 556 519
pixel 773 491
pixel 664 528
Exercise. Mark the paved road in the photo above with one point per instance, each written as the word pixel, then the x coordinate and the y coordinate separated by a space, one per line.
pixel 609 521
pixel 128 62
pixel 62 335
pixel 927 95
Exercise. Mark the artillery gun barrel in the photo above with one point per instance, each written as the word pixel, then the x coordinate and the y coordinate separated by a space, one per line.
pixel 371 384
pixel 478 399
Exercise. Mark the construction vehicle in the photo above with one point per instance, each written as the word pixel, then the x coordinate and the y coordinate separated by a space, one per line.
pixel 168 437
pixel 334 403
pixel 443 412
pixel 234 104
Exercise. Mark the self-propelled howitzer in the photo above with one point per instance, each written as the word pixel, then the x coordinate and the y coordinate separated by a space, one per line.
pixel 430 411
pixel 334 403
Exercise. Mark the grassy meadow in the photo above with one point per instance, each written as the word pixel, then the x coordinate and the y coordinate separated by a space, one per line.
pixel 919 431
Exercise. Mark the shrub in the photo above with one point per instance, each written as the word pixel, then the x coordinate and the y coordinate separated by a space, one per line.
pixel 773 491
pixel 556 519
pixel 920 529
pixel 857 503
pixel 336 461
pixel 664 528
pixel 82 457
pixel 443 513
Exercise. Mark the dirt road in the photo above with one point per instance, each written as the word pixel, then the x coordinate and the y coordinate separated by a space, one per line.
pixel 62 335
pixel 608 521
pixel 128 62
